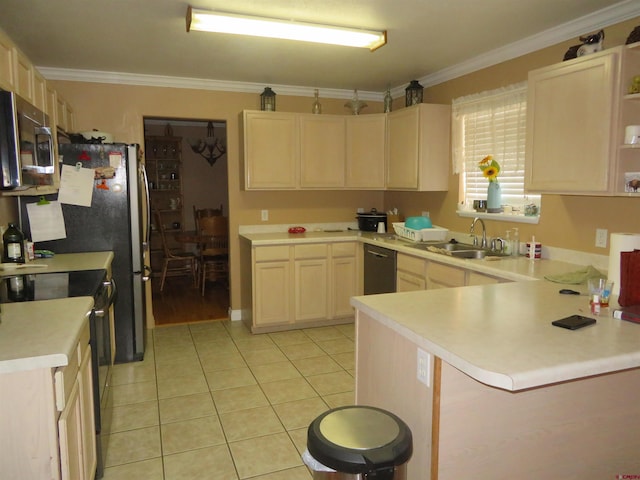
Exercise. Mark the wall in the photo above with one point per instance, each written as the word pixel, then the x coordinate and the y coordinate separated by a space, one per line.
pixel 120 109
pixel 566 221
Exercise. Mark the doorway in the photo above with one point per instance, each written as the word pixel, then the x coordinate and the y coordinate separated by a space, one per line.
pixel 187 168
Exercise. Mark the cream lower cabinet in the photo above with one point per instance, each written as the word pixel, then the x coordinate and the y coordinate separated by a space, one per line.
pixel 271 286
pixel 411 273
pixel 47 422
pixel 418 148
pixel 295 286
pixel 416 273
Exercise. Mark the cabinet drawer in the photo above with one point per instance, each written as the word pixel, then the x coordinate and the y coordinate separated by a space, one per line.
pixel 414 265
pixel 446 275
pixel 271 253
pixel 347 249
pixel 316 250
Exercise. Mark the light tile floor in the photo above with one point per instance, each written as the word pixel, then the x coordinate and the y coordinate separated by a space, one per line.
pixel 212 401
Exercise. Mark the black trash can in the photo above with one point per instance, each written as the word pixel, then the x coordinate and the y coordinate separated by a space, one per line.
pixel 359 442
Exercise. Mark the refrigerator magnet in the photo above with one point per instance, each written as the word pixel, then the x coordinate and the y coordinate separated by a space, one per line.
pixel 115 159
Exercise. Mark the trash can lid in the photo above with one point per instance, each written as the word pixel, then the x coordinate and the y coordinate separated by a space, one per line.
pixel 359 439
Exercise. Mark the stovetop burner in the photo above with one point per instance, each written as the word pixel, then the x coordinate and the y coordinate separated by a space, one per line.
pixel 47 286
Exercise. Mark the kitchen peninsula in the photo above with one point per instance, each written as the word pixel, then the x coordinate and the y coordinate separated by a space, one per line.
pixel 507 394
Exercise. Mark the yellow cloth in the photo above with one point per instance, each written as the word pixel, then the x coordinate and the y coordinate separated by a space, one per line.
pixel 576 278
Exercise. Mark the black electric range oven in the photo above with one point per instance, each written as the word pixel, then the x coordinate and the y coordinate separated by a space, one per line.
pixel 82 283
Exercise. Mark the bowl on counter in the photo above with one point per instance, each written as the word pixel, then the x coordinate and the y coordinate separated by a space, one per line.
pixel 418 223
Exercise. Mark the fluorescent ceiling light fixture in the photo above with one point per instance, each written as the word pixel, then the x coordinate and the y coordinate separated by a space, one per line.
pixel 208 21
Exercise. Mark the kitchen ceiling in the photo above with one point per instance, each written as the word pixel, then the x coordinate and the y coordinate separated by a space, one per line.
pixel 429 40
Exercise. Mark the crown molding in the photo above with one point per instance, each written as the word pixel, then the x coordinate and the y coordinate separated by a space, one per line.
pixel 617 13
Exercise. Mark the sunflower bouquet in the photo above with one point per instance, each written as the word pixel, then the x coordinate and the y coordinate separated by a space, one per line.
pixel 490 168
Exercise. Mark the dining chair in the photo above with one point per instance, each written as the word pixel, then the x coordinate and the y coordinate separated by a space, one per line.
pixel 175 263
pixel 205 212
pixel 214 252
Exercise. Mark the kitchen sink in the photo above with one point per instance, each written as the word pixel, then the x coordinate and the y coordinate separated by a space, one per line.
pixel 458 250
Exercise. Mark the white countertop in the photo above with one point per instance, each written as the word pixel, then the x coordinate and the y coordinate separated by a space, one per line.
pixel 41 334
pixel 501 335
pixel 63 262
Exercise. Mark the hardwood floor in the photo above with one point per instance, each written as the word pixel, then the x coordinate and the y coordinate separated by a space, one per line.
pixel 182 303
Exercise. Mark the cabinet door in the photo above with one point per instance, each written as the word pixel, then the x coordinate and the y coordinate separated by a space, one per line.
pixel 24 76
pixel 271 298
pixel 85 384
pixel 311 300
pixel 475 278
pixel 407 282
pixel 403 151
pixel 70 436
pixel 322 151
pixel 570 116
pixel 7 74
pixel 344 284
pixel 39 91
pixel 365 151
pixel 444 276
pixel 270 150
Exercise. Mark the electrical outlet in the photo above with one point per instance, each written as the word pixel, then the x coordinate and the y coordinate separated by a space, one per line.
pixel 360 210
pixel 264 214
pixel 424 367
pixel 601 237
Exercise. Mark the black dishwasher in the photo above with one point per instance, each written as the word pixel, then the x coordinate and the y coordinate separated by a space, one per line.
pixel 379 270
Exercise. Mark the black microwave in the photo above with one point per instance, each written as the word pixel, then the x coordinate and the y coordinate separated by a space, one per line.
pixel 26 144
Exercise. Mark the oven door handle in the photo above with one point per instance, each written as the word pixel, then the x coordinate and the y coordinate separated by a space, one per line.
pixel 114 292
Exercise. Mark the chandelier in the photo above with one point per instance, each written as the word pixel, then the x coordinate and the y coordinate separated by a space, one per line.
pixel 210 148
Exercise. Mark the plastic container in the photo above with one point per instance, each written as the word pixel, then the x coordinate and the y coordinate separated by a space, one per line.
pixel 433 234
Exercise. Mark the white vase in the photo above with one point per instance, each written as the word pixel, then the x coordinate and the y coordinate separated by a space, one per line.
pixel 494 198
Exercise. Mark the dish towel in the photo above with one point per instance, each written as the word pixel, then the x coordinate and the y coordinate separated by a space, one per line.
pixel 576 278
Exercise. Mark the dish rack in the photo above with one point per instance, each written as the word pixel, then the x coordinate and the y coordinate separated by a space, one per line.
pixel 434 233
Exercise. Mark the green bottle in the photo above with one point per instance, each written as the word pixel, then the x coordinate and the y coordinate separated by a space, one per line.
pixel 13 241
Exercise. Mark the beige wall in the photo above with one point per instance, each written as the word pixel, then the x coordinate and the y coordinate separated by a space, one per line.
pixel 567 221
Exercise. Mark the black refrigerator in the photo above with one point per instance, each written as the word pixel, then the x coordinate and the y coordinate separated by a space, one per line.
pixel 114 222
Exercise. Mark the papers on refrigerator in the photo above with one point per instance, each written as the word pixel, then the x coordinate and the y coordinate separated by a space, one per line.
pixel 76 185
pixel 46 221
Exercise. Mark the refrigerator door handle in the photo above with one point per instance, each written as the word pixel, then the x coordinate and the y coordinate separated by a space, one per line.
pixel 147 273
pixel 147 233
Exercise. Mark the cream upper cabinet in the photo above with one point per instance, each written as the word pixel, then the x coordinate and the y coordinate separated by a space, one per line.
pixel 365 157
pixel 418 148
pixel 7 73
pixel 24 76
pixel 271 150
pixel 39 91
pixel 571 120
pixel 322 151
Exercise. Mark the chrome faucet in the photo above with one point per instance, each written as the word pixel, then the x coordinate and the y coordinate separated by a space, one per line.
pixel 484 232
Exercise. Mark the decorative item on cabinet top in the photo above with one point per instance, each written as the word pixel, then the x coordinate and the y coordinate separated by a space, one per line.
pixel 355 104
pixel 413 93
pixel 590 44
pixel 268 100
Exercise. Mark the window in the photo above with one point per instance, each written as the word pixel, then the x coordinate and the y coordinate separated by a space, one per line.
pixel 492 123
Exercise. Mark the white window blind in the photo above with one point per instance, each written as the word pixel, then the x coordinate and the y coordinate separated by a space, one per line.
pixel 491 123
